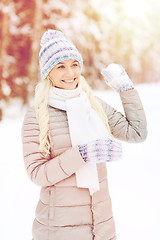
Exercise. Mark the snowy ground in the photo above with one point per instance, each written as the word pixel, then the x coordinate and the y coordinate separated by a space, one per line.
pixel 134 180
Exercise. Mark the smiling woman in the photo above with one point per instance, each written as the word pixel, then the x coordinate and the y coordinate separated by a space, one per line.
pixel 66 74
pixel 68 136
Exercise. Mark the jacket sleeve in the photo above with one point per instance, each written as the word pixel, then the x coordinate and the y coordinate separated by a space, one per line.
pixel 43 170
pixel 132 127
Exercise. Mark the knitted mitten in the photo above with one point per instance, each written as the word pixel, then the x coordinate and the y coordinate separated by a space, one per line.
pixel 101 150
pixel 116 77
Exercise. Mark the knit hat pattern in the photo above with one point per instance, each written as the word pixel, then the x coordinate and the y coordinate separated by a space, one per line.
pixel 56 48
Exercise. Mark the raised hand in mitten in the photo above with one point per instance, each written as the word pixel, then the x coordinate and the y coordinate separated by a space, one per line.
pixel 117 78
pixel 101 150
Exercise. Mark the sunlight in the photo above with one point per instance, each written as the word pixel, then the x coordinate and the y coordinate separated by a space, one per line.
pixel 131 8
pixel 134 7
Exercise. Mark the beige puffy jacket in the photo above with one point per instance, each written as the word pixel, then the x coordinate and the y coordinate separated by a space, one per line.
pixel 65 212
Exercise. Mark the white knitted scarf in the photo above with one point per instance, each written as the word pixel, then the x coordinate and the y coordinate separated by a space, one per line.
pixel 85 125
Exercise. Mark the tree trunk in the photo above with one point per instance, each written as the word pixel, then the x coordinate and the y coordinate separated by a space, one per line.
pixel 4 40
pixel 37 30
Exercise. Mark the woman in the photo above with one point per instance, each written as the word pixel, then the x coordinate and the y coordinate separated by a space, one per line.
pixel 67 139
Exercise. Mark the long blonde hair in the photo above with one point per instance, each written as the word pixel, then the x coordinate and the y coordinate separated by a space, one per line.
pixel 42 113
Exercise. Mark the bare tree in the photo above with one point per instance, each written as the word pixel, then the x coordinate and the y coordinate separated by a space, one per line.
pixel 4 41
pixel 36 35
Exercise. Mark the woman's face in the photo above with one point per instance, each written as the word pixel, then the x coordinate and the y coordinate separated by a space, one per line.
pixel 66 74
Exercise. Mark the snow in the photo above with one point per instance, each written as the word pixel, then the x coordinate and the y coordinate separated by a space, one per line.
pixel 133 180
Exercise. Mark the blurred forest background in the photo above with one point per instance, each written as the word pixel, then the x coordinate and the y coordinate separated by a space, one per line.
pixel 104 31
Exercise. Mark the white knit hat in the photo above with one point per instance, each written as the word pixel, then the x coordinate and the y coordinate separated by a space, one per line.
pixel 56 48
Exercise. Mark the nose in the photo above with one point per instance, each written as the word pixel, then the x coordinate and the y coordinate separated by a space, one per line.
pixel 69 72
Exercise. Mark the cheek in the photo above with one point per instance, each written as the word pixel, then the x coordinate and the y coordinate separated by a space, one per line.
pixel 78 72
pixel 56 76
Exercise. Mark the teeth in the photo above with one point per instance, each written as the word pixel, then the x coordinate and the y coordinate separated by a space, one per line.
pixel 69 81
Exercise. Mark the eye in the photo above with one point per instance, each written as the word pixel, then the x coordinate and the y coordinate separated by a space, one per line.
pixel 75 65
pixel 61 66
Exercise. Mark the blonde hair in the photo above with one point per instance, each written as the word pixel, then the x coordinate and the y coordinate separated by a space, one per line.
pixel 42 113
pixel 94 102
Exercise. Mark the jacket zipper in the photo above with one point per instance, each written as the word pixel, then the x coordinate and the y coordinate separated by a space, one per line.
pixel 92 227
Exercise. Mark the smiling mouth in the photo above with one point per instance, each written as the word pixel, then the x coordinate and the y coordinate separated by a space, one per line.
pixel 69 81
